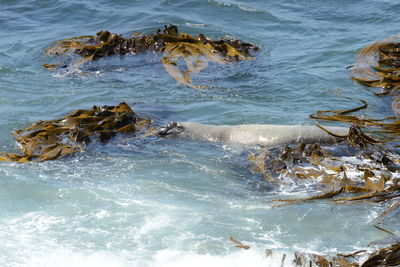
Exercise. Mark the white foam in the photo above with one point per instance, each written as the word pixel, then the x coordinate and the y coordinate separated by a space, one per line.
pixel 154 223
pixel 61 257
pixel 250 9
pixel 252 257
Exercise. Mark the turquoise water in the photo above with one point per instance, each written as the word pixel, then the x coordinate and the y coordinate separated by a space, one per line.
pixel 170 202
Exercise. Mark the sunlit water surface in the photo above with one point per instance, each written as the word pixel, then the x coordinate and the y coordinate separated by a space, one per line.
pixel 170 202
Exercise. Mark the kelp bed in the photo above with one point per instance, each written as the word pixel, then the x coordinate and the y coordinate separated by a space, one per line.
pixel 388 256
pixel 370 142
pixel 384 257
pixel 362 167
pixel 196 52
pixel 343 174
pixel 47 140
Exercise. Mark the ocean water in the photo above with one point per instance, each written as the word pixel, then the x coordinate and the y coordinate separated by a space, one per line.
pixel 172 202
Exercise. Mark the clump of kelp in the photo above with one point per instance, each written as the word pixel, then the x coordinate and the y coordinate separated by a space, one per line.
pixel 362 166
pixel 378 66
pixel 372 165
pixel 386 256
pixel 197 52
pixel 342 173
pixel 47 140
pixel 367 144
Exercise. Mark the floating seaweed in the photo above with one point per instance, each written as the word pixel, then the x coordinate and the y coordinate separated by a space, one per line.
pixel 360 167
pixel 310 259
pixel 378 66
pixel 197 52
pixel 47 140
pixel 385 130
pixel 239 244
pixel 373 171
pixel 389 256
pixel 384 257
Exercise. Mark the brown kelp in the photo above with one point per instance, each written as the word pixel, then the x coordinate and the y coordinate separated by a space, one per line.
pixel 348 174
pixel 197 52
pixel 373 162
pixel 388 256
pixel 384 130
pixel 47 140
pixel 362 166
pixel 238 244
pixel 378 66
pixel 311 259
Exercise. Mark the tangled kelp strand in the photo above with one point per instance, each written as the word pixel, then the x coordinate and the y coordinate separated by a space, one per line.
pixel 385 130
pixel 378 66
pixel 365 170
pixel 389 256
pixel 196 52
pixel 47 140
pixel 386 256
pixel 355 173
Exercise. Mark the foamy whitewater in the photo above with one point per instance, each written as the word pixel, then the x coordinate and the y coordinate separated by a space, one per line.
pixel 176 202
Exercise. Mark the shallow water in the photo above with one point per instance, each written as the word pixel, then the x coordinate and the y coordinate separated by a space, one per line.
pixel 168 202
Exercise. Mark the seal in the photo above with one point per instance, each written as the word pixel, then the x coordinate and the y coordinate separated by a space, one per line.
pixel 253 134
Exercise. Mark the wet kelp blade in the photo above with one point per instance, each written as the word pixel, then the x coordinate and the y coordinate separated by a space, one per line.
pixel 372 165
pixel 378 66
pixel 196 52
pixel 47 140
pixel 385 130
pixel 384 257
pixel 238 244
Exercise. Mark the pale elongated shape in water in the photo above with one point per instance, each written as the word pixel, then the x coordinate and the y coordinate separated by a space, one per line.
pixel 254 134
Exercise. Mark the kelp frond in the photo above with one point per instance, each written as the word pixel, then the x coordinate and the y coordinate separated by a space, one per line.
pixel 384 130
pixel 383 257
pixel 373 168
pixel 197 52
pixel 378 66
pixel 47 140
